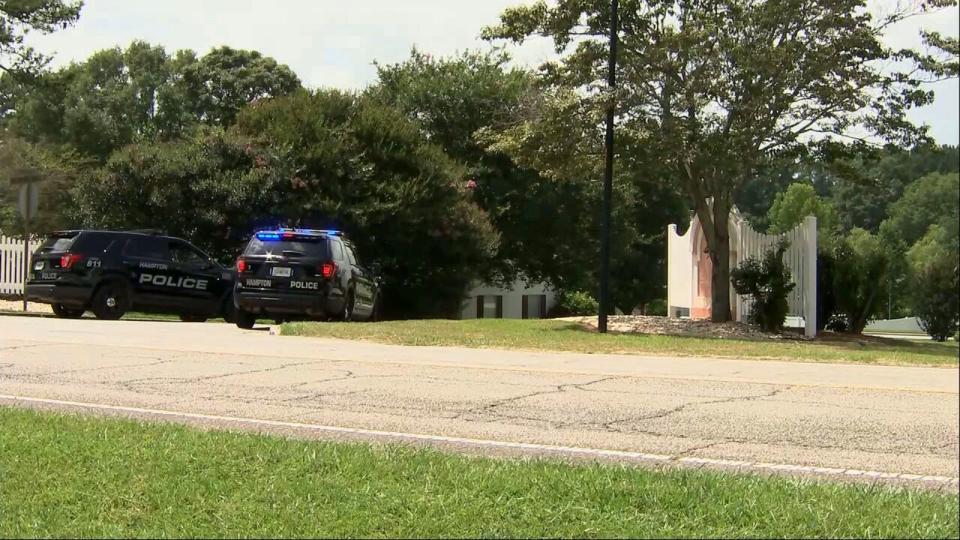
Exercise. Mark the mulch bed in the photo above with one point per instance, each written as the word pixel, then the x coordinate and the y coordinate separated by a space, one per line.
pixel 640 324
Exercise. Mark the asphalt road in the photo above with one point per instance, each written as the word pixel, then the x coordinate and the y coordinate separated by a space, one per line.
pixel 838 419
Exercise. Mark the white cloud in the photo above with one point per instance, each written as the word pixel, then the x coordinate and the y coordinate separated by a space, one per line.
pixel 334 43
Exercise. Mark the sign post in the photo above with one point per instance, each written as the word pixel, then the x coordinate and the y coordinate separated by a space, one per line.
pixel 27 204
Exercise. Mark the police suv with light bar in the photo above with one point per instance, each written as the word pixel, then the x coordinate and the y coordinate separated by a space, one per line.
pixel 286 274
pixel 111 273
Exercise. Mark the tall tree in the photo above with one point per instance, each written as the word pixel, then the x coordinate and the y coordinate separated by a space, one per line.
pixel 225 80
pixel 363 166
pixel 17 19
pixel 138 94
pixel 715 88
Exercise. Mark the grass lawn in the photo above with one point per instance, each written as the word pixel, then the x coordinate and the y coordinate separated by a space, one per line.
pixel 76 476
pixel 568 336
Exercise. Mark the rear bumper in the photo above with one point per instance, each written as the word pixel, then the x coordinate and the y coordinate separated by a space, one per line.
pixel 58 293
pixel 266 302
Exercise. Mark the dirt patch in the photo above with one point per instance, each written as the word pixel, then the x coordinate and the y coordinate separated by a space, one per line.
pixel 17 305
pixel 638 324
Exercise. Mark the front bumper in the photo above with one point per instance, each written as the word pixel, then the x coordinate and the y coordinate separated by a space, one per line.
pixel 58 293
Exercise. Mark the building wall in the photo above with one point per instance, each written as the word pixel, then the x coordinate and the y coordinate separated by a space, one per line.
pixel 680 272
pixel 511 299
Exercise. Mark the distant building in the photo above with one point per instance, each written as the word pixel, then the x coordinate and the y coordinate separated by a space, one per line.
pixel 522 300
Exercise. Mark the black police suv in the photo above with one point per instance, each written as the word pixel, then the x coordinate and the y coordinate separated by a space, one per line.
pixel 110 273
pixel 287 274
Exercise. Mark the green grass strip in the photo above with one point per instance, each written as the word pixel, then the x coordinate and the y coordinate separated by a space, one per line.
pixel 66 475
pixel 566 336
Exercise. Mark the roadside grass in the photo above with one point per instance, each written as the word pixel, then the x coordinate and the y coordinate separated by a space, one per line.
pixel 65 475
pixel 569 336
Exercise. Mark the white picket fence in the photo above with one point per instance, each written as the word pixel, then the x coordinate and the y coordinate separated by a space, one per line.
pixel 12 263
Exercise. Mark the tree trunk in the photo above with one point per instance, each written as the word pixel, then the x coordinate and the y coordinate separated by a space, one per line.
pixel 720 293
pixel 715 219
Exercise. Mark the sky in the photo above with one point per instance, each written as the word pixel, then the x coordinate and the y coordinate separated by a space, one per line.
pixel 334 43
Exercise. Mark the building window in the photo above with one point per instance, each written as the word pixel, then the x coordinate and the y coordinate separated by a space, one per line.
pixel 534 306
pixel 489 306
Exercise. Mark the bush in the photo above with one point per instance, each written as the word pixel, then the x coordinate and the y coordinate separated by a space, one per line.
pixel 935 299
pixel 656 307
pixel 767 282
pixel 861 273
pixel 575 303
pixel 935 289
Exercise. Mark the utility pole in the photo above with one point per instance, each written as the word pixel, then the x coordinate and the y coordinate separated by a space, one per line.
pixel 608 177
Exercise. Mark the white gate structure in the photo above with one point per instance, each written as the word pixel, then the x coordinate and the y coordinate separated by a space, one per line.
pixel 689 269
pixel 12 263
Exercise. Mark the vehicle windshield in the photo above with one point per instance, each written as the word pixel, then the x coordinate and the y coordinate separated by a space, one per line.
pixel 287 248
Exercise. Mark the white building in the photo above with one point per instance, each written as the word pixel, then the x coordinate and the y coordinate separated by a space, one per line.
pixel 520 301
pixel 690 270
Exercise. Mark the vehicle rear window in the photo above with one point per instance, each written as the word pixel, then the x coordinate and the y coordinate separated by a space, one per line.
pixel 290 248
pixel 58 243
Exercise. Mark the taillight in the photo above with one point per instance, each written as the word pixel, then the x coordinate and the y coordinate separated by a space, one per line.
pixel 69 260
pixel 327 270
pixel 242 265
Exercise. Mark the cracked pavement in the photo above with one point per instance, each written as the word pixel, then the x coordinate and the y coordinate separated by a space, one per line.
pixel 879 418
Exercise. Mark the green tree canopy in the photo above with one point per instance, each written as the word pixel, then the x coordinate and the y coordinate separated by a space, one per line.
pixel 20 17
pixel 361 165
pixel 931 200
pixel 711 90
pixel 140 94
pixel 800 200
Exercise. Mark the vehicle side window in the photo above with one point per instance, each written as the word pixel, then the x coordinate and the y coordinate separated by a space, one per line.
pixel 336 250
pixel 186 254
pixel 146 247
pixel 350 256
pixel 94 244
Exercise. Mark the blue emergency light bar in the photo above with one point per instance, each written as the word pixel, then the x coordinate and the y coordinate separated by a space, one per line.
pixel 281 234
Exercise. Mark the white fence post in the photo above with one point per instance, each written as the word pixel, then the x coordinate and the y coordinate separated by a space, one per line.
pixel 810 276
pixel 12 264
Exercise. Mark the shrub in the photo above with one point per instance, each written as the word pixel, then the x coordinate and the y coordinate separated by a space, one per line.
pixel 575 303
pixel 657 307
pixel 935 297
pixel 768 282
pixel 861 272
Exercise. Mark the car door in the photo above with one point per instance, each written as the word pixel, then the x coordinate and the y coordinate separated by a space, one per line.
pixel 198 282
pixel 147 260
pixel 363 281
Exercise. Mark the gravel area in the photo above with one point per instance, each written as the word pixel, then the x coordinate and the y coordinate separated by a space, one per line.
pixel 641 324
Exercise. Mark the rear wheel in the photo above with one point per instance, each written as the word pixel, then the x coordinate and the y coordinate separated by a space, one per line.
pixel 348 304
pixel 375 315
pixel 245 319
pixel 111 301
pixel 65 312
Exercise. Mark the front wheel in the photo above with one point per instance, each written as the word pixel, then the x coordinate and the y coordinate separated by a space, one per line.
pixel 65 312
pixel 111 301
pixel 245 319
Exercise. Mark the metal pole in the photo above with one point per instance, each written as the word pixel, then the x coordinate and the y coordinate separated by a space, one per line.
pixel 608 177
pixel 26 257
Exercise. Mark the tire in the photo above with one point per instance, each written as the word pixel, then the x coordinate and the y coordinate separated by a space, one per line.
pixel 64 312
pixel 348 306
pixel 229 312
pixel 244 319
pixel 111 301
pixel 187 317
pixel 375 314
